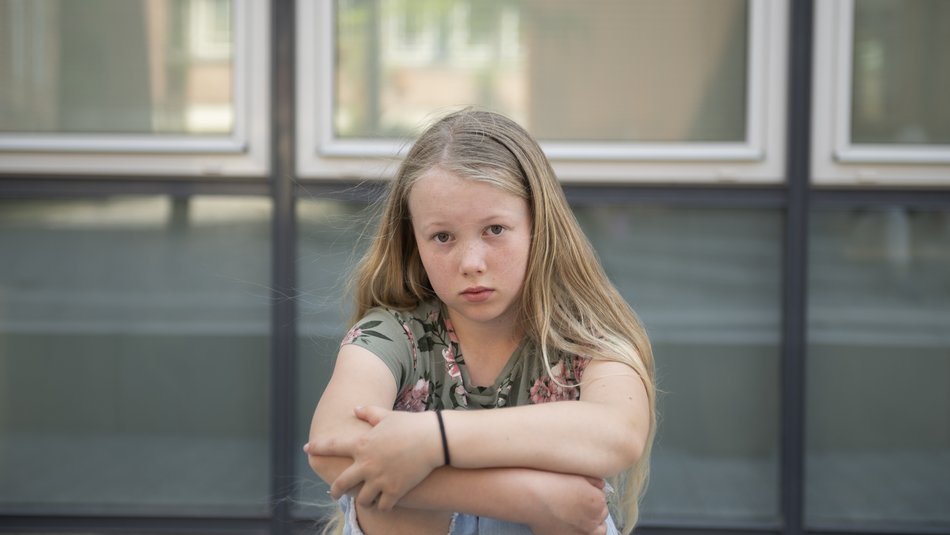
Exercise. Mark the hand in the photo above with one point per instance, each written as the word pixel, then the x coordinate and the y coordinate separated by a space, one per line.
pixel 389 460
pixel 570 505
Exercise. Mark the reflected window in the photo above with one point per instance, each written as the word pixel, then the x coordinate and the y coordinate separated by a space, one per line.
pixel 135 337
pixel 901 72
pixel 878 406
pixel 706 285
pixel 117 67
pixel 610 70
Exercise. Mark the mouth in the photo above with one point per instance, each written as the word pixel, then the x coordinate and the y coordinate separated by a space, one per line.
pixel 477 293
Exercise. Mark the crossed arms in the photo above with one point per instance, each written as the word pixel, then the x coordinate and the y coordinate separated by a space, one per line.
pixel 540 465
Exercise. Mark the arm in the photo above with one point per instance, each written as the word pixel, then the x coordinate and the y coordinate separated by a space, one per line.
pixel 519 495
pixel 598 436
pixel 602 434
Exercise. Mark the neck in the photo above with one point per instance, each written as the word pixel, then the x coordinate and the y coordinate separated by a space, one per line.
pixel 487 346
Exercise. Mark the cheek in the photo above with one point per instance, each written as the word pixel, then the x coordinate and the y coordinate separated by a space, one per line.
pixel 515 260
pixel 433 265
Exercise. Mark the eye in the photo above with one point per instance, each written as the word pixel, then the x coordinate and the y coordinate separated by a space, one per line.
pixel 441 237
pixel 495 230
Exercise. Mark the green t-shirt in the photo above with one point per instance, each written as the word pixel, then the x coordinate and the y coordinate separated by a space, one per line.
pixel 421 350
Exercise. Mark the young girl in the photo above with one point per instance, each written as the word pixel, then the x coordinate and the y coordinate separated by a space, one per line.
pixel 480 291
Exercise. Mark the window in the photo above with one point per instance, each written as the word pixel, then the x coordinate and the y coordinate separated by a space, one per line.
pixel 682 90
pixel 140 87
pixel 881 107
pixel 878 443
pixel 134 333
pixel 705 282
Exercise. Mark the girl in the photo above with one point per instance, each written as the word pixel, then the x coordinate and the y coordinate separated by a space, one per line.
pixel 480 291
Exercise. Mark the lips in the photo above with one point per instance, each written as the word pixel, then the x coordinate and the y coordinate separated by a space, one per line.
pixel 477 293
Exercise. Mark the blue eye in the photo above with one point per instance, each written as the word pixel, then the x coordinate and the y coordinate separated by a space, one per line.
pixel 441 237
pixel 496 229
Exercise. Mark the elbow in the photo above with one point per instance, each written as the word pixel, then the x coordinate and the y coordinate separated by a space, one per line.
pixel 628 447
pixel 633 450
pixel 319 464
pixel 624 454
pixel 328 468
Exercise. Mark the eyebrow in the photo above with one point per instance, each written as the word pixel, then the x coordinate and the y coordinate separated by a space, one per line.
pixel 483 221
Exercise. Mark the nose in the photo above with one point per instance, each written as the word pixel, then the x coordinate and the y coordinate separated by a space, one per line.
pixel 472 259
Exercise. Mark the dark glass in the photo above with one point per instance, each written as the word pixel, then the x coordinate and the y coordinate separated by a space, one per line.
pixel 134 342
pixel 878 401
pixel 706 284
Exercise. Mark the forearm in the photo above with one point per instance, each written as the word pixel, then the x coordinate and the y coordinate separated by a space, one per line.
pixel 502 493
pixel 513 494
pixel 518 495
pixel 576 437
pixel 600 435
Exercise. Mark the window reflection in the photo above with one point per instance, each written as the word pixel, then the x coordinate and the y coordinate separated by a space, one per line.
pixel 901 72
pixel 878 450
pixel 612 70
pixel 116 66
pixel 134 335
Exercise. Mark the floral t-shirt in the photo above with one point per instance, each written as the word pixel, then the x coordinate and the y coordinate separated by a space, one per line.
pixel 422 351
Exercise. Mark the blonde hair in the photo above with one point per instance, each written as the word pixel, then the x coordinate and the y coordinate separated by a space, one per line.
pixel 568 304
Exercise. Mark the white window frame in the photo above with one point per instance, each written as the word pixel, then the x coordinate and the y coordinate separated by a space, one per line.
pixel 759 160
pixel 836 160
pixel 244 152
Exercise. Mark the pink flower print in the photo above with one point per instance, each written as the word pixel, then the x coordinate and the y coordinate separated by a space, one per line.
pixel 547 389
pixel 580 364
pixel 450 330
pixel 451 367
pixel 412 343
pixel 414 398
pixel 352 335
pixel 461 396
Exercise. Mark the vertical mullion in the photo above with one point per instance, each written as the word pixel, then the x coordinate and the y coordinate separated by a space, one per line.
pixel 283 276
pixel 795 263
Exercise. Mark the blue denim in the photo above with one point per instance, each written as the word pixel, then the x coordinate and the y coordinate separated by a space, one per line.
pixel 462 524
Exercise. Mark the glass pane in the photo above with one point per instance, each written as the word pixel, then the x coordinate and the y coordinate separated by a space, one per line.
pixel 606 70
pixel 116 66
pixel 330 241
pixel 706 284
pixel 901 72
pixel 878 404
pixel 134 341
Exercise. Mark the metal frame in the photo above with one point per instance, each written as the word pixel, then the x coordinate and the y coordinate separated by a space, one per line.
pixel 797 198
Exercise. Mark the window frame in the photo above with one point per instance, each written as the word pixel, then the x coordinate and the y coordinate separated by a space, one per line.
pixel 243 152
pixel 836 160
pixel 757 160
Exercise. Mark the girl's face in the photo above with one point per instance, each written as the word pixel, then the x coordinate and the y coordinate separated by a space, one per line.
pixel 473 239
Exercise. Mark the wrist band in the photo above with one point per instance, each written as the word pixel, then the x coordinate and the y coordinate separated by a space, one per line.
pixel 445 441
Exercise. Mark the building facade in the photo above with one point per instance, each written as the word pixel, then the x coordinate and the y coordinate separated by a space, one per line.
pixel 185 185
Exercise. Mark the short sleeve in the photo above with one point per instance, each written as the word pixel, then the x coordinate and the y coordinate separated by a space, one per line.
pixel 382 333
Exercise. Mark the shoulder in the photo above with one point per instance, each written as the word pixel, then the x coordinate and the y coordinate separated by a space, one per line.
pixel 383 323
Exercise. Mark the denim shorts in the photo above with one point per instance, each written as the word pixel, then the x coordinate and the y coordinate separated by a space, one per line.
pixel 462 524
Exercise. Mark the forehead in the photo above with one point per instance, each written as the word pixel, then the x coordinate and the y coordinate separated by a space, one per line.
pixel 438 193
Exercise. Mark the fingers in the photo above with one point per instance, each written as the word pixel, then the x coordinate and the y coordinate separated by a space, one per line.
pixel 372 497
pixel 367 497
pixel 330 447
pixel 385 503
pixel 347 480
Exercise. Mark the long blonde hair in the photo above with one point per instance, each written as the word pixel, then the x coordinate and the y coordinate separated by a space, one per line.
pixel 568 305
